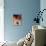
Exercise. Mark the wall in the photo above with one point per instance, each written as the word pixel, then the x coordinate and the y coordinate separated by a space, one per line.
pixel 43 6
pixel 1 20
pixel 25 7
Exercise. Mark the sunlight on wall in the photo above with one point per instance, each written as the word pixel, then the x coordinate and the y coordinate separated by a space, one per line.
pixel 1 20
pixel 1 25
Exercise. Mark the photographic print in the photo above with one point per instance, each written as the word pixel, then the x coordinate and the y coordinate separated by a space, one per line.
pixel 17 19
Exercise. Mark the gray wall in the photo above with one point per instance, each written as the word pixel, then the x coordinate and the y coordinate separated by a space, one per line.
pixel 25 7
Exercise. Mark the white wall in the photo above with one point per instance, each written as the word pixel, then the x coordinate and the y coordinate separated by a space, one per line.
pixel 1 20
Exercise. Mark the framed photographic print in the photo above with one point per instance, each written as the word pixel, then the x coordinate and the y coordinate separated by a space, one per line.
pixel 17 19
